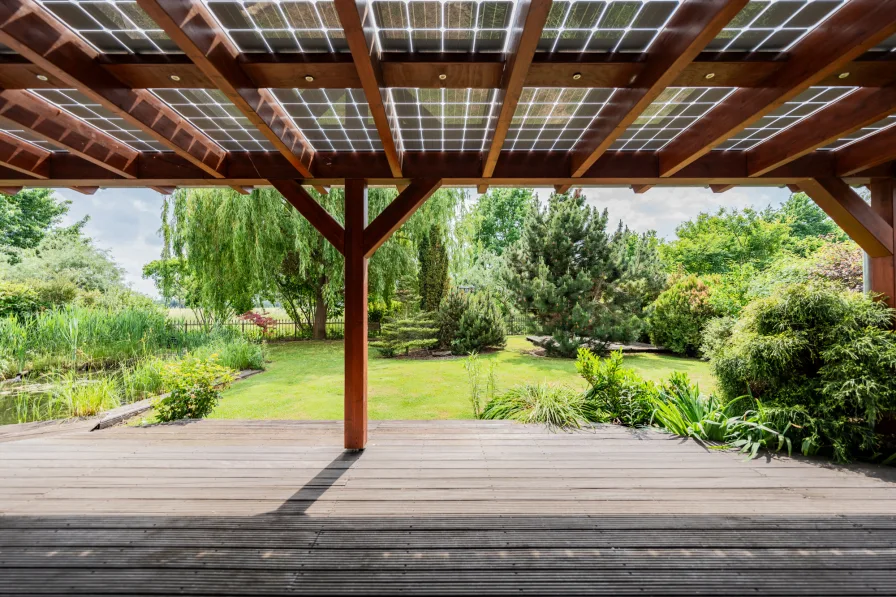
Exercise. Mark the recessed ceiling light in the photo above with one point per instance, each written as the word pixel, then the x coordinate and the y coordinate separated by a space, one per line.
pixel 175 78
pixel 443 76
pixel 709 76
pixel 843 75
pixel 309 78
pixel 577 76
pixel 43 78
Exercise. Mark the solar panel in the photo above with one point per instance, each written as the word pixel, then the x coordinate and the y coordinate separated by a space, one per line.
pixel 674 111
pixel 280 26
pixel 554 119
pixel 211 112
pixel 332 119
pixel 443 119
pixel 804 105
pixel 605 25
pixel 28 137
pixel 863 133
pixel 772 25
pixel 82 107
pixel 112 26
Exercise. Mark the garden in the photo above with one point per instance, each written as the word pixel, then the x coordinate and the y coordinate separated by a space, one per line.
pixel 499 307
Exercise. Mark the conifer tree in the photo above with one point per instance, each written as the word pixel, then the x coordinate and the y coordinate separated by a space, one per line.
pixel 433 258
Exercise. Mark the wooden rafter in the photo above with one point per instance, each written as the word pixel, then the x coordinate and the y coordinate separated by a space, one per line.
pixel 365 55
pixel 190 25
pixel 852 113
pixel 720 188
pixel 873 151
pixel 694 24
pixel 319 217
pixel 398 212
pixel 531 16
pixel 64 130
pixel 852 214
pixel 29 30
pixel 640 189
pixel 857 27
pixel 9 191
pixel 24 157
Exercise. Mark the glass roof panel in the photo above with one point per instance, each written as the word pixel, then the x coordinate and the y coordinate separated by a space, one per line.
pixel 82 107
pixel 332 119
pixel 11 128
pixel 772 25
pixel 675 110
pixel 442 119
pixel 804 105
pixel 112 26
pixel 554 119
pixel 860 134
pixel 211 112
pixel 605 25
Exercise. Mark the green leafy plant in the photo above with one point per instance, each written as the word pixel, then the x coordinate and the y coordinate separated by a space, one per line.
pixel 404 335
pixel 616 394
pixel 482 390
pixel 72 396
pixel 680 313
pixel 682 409
pixel 194 388
pixel 553 405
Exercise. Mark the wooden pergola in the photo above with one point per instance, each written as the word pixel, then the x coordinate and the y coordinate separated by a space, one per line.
pixel 419 94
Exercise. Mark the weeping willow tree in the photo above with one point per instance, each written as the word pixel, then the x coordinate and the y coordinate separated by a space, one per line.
pixel 241 249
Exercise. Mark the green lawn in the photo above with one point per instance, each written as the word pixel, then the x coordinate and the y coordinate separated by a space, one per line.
pixel 304 381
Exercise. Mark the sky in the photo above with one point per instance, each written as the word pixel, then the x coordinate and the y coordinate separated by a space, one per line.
pixel 126 222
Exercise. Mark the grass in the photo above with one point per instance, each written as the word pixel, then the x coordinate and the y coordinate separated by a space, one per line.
pixel 305 381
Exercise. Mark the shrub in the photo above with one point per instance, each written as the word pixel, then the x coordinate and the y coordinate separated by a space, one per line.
pixel 18 300
pixel 616 394
pixel 404 335
pixel 55 293
pixel 480 326
pixel 194 388
pixel 679 315
pixel 827 353
pixel 552 405
pixel 233 352
pixel 453 307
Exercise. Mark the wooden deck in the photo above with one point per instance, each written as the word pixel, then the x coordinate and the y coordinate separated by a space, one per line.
pixel 216 507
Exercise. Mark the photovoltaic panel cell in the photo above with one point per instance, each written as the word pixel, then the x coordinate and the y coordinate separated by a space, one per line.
pixel 554 119
pixel 280 25
pixel 861 134
pixel 112 26
pixel 27 136
pixel 82 107
pixel 332 119
pixel 804 105
pixel 443 119
pixel 674 111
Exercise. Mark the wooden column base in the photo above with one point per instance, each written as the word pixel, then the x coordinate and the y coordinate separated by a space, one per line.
pixel 355 315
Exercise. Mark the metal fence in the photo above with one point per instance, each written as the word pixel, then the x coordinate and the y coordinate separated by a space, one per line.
pixel 286 329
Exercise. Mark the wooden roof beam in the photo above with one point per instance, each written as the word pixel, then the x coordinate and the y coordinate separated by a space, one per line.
pixel 9 191
pixel 531 16
pixel 694 24
pixel 21 156
pixel 857 27
pixel 852 214
pixel 365 55
pixel 64 130
pixel 872 151
pixel 35 34
pixel 857 110
pixel 721 188
pixel 190 25
pixel 640 189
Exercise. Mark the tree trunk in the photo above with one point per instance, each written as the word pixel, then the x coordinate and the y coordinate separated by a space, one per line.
pixel 319 329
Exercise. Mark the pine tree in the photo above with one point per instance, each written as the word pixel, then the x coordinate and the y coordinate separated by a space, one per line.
pixel 407 334
pixel 433 280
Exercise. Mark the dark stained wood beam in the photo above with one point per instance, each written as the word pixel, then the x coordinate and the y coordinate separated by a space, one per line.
pixel 857 110
pixel 720 188
pixel 873 151
pixel 354 17
pixel 355 315
pixel 883 269
pixel 868 229
pixel 35 34
pixel 192 27
pixel 64 130
pixel 320 218
pixel 24 157
pixel 857 27
pixel 164 190
pixel 531 16
pixel 398 212
pixel 9 191
pixel 694 24
pixel 562 188
pixel 640 189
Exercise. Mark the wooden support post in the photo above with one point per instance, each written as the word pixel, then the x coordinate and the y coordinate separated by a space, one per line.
pixel 883 269
pixel 355 315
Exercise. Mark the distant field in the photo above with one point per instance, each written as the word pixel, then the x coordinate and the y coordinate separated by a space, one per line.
pixel 188 315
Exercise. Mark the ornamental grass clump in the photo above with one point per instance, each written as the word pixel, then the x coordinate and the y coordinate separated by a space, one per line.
pixel 553 405
pixel 194 388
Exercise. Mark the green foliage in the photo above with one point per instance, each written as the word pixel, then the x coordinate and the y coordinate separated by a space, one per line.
pixel 194 388
pixel 553 405
pixel 18 300
pixel 680 313
pixel 680 408
pixel 433 261
pixel 499 216
pixel 840 263
pixel 407 334
pixel 232 351
pixel 808 223
pixel 483 386
pixel 616 394
pixel 480 326
pixel 453 307
pixel 565 272
pixel 82 397
pixel 826 352
pixel 26 217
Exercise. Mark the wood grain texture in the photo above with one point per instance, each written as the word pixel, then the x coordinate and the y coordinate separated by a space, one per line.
pixel 23 157
pixel 873 151
pixel 355 315
pixel 883 269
